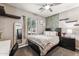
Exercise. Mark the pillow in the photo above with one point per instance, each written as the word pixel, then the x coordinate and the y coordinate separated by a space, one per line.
pixel 50 33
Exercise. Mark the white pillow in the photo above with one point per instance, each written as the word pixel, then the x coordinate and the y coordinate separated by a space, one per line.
pixel 50 33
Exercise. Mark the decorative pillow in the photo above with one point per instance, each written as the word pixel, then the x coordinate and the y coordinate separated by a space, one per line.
pixel 50 33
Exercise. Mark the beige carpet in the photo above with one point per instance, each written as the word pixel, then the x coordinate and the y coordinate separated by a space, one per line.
pixel 58 51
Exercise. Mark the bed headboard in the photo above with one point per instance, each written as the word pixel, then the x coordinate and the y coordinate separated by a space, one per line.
pixel 48 29
pixel 59 31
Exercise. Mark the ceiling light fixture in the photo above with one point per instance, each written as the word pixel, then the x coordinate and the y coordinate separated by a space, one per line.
pixel 47 7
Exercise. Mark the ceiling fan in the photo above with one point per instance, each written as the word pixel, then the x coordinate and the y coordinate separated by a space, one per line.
pixel 48 7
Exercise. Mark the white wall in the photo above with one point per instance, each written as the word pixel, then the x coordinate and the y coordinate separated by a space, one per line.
pixel 72 14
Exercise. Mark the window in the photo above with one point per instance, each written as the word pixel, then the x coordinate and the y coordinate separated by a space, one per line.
pixel 31 25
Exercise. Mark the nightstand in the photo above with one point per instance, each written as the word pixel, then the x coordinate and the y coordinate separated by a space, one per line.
pixel 68 43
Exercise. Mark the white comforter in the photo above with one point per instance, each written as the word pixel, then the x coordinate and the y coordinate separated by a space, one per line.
pixel 44 42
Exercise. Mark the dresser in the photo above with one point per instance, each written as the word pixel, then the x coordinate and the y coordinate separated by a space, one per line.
pixel 68 43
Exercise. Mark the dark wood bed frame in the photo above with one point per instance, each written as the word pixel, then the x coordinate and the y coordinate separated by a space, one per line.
pixel 36 48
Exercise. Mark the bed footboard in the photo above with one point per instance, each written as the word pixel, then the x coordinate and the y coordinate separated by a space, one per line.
pixel 52 49
pixel 34 47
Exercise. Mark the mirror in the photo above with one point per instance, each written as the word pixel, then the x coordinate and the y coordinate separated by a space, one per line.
pixel 18 32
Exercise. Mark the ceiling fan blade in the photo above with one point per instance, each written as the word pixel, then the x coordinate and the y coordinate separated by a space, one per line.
pixel 41 8
pixel 51 4
pixel 50 10
pixel 44 5
pixel 54 4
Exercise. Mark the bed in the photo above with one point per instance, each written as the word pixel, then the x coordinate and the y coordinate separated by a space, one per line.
pixel 42 44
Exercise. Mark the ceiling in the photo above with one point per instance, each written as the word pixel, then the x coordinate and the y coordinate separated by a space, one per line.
pixel 34 8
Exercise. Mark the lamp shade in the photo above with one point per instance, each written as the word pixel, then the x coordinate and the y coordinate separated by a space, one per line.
pixel 69 30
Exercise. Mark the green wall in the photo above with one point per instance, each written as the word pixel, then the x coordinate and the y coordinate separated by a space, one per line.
pixel 52 22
